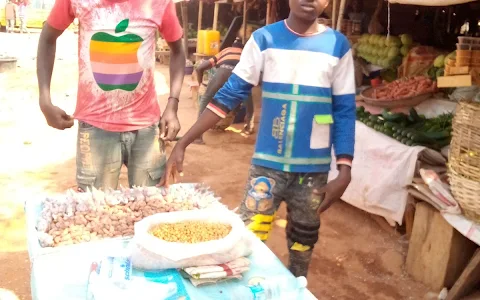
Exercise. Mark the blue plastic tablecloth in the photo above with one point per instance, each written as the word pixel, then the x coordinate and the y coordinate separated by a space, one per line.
pixel 62 273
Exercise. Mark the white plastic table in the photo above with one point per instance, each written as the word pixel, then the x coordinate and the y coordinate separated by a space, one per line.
pixel 62 273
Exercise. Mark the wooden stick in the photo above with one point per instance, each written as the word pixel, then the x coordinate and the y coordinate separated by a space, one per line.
pixel 185 25
pixel 200 14
pixel 334 13
pixel 244 21
pixel 341 10
pixel 215 15
pixel 269 7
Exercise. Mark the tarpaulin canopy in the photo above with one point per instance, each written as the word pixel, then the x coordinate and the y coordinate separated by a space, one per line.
pixel 431 2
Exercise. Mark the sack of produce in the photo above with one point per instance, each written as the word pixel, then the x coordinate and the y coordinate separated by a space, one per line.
pixel 189 239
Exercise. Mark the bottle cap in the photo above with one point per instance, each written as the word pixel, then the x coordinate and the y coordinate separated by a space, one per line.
pixel 302 282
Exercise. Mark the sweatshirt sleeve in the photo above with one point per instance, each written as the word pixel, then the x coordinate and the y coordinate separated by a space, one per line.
pixel 344 112
pixel 245 76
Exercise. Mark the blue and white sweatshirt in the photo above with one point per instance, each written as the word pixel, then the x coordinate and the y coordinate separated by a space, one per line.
pixel 308 97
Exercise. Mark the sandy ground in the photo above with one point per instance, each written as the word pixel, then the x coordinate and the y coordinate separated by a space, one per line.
pixel 354 259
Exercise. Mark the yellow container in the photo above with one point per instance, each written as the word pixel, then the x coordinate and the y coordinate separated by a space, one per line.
pixel 211 42
pixel 201 37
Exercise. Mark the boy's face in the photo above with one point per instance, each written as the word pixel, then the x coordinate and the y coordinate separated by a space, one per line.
pixel 308 10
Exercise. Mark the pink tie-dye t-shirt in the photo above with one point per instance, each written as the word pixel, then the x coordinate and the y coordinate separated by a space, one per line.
pixel 116 58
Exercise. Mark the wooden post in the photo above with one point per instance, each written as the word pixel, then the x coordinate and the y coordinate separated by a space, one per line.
pixel 200 14
pixel 468 280
pixel 341 10
pixel 185 26
pixel 244 28
pixel 334 13
pixel 437 252
pixel 269 7
pixel 215 16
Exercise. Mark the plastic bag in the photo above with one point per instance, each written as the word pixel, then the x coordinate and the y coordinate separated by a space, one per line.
pixel 151 253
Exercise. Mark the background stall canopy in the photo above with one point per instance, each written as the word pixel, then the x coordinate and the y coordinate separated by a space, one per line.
pixel 431 2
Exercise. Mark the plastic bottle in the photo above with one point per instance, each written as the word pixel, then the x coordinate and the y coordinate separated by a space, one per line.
pixel 276 288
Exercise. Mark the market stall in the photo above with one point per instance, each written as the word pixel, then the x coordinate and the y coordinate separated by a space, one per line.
pixel 415 161
pixel 81 247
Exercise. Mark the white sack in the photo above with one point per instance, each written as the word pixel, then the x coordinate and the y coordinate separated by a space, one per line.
pixel 151 253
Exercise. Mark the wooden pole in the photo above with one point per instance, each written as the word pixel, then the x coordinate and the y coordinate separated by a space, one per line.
pixel 334 13
pixel 341 10
pixel 244 29
pixel 185 26
pixel 269 7
pixel 200 14
pixel 215 16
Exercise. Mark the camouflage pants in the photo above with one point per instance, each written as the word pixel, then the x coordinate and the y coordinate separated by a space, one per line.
pixel 265 191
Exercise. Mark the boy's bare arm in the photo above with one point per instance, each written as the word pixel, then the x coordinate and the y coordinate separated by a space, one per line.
pixel 56 117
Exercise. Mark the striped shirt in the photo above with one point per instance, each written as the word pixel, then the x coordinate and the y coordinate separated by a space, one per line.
pixel 308 97
pixel 227 57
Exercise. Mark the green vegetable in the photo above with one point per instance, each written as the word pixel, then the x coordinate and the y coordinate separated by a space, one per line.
pixel 389 125
pixel 414 115
pixel 439 61
pixel 388 132
pixel 409 143
pixel 406 39
pixel 437 135
pixel 404 140
pixel 421 138
pixel 404 50
pixel 392 117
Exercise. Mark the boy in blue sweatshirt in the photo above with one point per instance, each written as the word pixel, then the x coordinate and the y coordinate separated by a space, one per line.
pixel 308 106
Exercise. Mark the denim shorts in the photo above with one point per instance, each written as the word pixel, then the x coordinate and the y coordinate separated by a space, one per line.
pixel 101 155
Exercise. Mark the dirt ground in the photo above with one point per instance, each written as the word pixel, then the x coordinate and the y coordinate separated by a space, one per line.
pixel 354 259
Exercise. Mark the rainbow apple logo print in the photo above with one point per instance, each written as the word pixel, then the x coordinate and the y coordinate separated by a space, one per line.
pixel 114 59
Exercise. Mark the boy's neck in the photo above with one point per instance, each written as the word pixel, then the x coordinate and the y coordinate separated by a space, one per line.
pixel 302 26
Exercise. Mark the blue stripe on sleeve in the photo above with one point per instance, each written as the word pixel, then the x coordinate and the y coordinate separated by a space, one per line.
pixel 344 116
pixel 233 92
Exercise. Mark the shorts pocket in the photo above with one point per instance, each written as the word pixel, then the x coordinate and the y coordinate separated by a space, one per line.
pixel 321 127
pixel 156 173
pixel 85 181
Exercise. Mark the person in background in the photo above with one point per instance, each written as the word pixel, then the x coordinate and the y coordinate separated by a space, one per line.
pixel 356 14
pixel 224 61
pixel 10 11
pixel 118 113
pixel 22 14
pixel 308 91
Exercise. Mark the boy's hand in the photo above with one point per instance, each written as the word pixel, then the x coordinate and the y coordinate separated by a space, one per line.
pixel 174 166
pixel 169 123
pixel 334 189
pixel 56 117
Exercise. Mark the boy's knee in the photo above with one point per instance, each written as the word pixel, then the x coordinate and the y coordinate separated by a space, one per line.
pixel 302 236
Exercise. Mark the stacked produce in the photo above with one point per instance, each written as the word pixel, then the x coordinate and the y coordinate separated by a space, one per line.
pixel 83 217
pixel 404 88
pixel 386 52
pixel 411 129
pixel 441 65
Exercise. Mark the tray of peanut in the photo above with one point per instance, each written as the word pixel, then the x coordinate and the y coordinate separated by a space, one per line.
pixel 74 218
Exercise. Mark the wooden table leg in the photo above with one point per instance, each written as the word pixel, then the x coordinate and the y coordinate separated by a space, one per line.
pixel 469 279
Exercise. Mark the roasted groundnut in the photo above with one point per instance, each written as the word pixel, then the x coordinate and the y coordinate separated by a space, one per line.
pixel 191 231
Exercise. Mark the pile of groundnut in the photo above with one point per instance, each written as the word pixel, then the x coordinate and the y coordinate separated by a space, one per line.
pixel 82 217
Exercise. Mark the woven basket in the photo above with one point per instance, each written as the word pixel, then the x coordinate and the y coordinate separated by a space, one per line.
pixel 465 146
pixel 467 193
pixel 464 159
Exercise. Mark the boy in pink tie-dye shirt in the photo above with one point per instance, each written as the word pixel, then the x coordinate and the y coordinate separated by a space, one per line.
pixel 117 107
